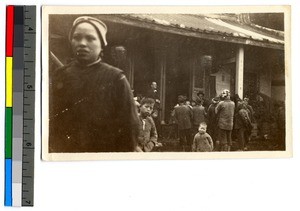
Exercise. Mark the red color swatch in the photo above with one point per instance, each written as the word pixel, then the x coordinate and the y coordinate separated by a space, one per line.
pixel 9 30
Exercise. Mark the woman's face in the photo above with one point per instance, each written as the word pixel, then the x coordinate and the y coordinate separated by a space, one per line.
pixel 86 43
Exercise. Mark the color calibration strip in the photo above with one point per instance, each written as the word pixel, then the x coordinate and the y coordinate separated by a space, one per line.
pixel 8 104
pixel 19 113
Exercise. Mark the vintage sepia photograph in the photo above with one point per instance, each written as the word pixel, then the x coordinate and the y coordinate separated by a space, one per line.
pixel 165 82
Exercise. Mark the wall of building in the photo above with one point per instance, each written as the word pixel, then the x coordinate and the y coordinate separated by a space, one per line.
pixel 223 80
pixel 278 93
pixel 278 85
pixel 265 80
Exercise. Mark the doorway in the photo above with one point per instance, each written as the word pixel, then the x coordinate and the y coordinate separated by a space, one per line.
pixel 177 81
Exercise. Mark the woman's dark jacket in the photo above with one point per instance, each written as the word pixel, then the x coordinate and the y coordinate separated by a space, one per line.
pixel 91 110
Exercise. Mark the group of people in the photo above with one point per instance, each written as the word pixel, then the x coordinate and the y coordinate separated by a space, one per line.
pixel 205 127
pixel 190 120
pixel 202 126
pixel 92 108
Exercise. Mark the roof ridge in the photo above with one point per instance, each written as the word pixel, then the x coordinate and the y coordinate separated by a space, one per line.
pixel 277 32
pixel 274 32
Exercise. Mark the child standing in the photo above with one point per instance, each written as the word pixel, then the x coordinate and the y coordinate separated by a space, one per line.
pixel 147 138
pixel 202 140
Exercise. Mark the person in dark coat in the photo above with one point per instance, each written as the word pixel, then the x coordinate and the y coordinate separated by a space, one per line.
pixel 212 122
pixel 242 125
pixel 251 114
pixel 249 109
pixel 183 116
pixel 204 102
pixel 236 98
pixel 199 115
pixel 225 112
pixel 153 93
pixel 91 103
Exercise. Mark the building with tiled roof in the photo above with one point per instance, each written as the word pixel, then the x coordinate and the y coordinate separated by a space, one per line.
pixel 188 53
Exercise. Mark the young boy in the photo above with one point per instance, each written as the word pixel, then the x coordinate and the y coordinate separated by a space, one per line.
pixel 202 140
pixel 147 138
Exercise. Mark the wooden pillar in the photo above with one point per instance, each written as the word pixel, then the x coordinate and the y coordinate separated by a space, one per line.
pixel 239 72
pixel 207 65
pixel 192 90
pixel 162 67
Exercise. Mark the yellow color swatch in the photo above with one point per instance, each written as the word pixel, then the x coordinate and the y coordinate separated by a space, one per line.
pixel 9 81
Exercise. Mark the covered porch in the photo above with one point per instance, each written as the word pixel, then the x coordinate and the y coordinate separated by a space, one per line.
pixel 186 54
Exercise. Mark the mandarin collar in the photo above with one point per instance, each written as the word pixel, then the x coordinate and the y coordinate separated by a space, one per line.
pixel 90 64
